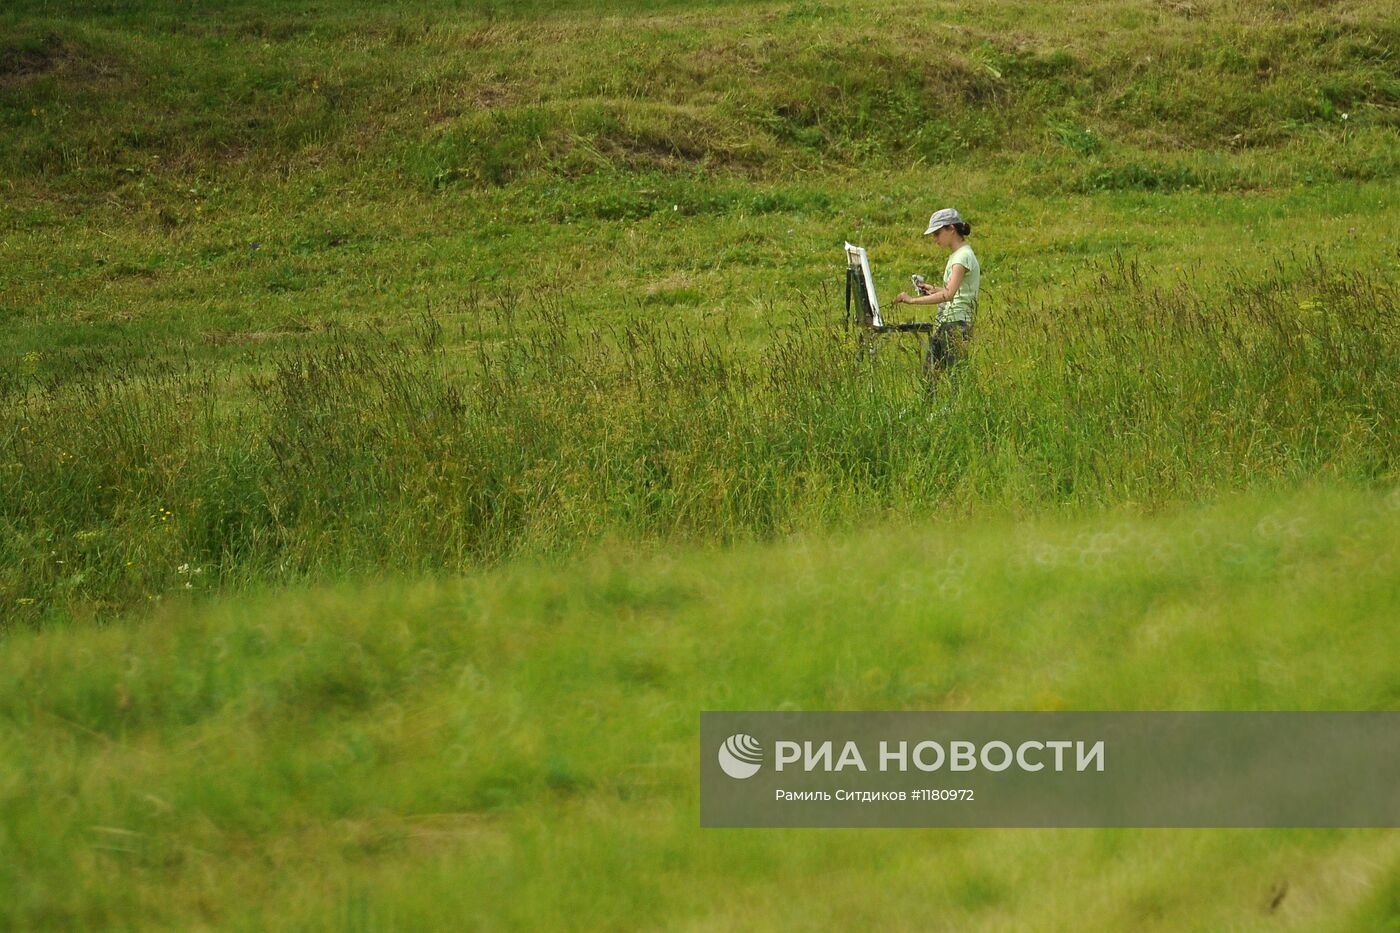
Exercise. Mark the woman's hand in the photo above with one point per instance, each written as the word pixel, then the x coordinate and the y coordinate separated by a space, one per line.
pixel 903 298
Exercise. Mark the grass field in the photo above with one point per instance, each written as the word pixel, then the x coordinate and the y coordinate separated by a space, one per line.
pixel 413 415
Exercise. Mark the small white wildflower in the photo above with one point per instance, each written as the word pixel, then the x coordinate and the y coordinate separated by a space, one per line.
pixel 189 586
pixel 1346 116
pixel 183 569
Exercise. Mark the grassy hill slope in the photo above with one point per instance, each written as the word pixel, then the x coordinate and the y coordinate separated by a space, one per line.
pixel 440 94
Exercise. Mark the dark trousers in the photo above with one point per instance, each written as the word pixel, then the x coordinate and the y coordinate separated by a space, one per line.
pixel 947 346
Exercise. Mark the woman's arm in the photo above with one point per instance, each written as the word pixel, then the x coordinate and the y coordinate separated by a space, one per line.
pixel 938 295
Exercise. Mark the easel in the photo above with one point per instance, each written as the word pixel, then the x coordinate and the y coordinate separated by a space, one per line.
pixel 863 307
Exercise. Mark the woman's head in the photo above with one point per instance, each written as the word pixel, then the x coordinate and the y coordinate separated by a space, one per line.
pixel 947 226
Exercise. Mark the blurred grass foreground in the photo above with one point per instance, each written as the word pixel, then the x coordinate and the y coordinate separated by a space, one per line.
pixel 516 749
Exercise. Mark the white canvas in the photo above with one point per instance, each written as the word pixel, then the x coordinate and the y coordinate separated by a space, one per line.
pixel 856 259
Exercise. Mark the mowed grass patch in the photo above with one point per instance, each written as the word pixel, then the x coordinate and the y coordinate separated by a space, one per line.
pixel 265 270
pixel 517 749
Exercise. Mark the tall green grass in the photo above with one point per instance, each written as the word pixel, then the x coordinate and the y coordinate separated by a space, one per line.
pixel 530 430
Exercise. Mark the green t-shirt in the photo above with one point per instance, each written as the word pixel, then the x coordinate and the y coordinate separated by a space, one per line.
pixel 963 305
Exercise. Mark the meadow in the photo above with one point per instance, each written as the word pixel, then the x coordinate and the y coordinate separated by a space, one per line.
pixel 516 749
pixel 413 415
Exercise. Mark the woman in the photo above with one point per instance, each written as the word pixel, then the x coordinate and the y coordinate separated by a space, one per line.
pixel 957 299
